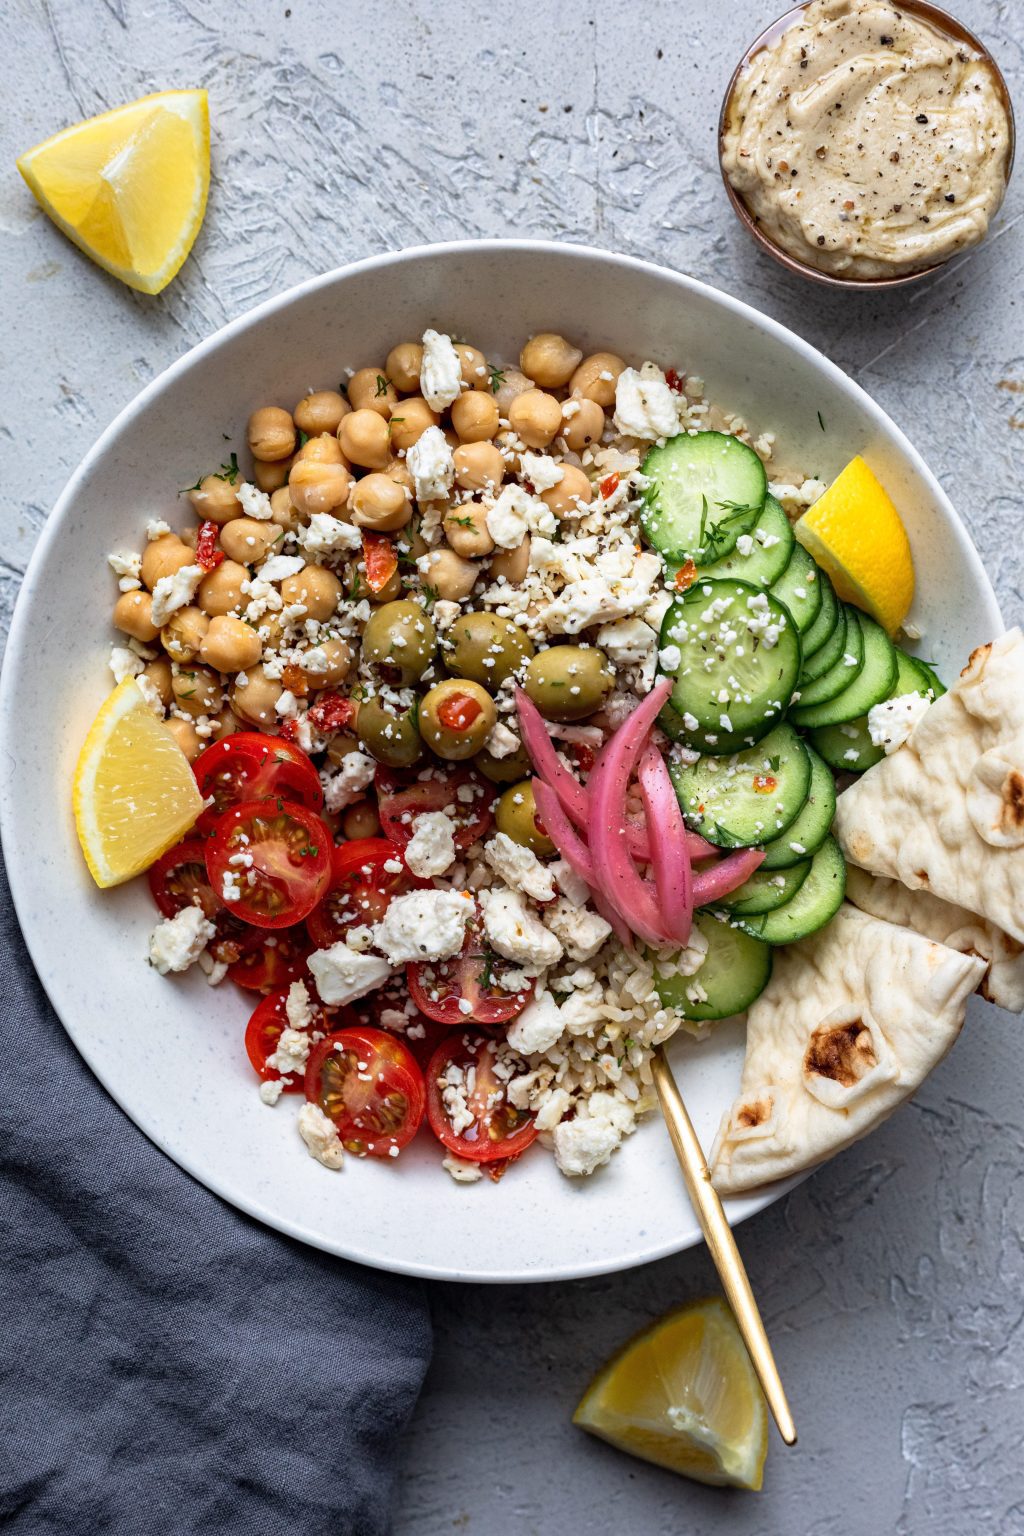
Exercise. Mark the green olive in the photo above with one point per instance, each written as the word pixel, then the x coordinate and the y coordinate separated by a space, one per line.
pixel 516 816
pixel 503 770
pixel 389 737
pixel 486 648
pixel 568 682
pixel 456 718
pixel 400 639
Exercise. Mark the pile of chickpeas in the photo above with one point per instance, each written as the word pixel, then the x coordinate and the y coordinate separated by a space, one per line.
pixel 344 454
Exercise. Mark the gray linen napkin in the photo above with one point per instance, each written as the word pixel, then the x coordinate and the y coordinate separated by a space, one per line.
pixel 167 1365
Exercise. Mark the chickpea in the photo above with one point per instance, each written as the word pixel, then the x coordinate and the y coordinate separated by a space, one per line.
pixel 465 528
pixel 283 511
pixel 159 674
pixel 588 383
pixel 216 500
pixel 133 614
pixel 549 360
pixel 255 700
pixel 391 589
pixel 475 372
pixel 478 466
pixel 398 471
pixel 573 487
pixel 323 449
pixel 409 422
pixel 340 747
pixel 318 487
pixel 512 564
pixel 411 541
pixel 380 502
pixel 365 439
pixel 475 416
pixel 271 433
pixel 451 577
pixel 247 540
pixel 221 590
pixel 227 724
pixel 197 691
pixel 535 417
pixel 270 629
pixel 583 425
pixel 338 659
pixel 316 587
pixel 230 645
pixel 403 366
pixel 270 474
pixel 184 733
pixel 182 635
pixel 512 385
pixel 320 412
pixel 190 536
pixel 361 820
pixel 371 390
pixel 162 557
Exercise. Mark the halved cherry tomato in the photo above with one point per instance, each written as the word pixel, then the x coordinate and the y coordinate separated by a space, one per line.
pixel 250 766
pixel 401 798
pixel 380 558
pixel 279 959
pixel 466 989
pixel 269 861
pixel 264 1030
pixel 361 889
pixel 369 1084
pixel 465 1065
pixel 458 711
pixel 331 713
pixel 179 879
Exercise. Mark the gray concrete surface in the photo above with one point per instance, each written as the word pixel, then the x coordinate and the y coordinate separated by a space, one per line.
pixel 893 1282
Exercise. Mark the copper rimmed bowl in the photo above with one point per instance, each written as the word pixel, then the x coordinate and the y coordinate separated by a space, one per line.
pixel 938 18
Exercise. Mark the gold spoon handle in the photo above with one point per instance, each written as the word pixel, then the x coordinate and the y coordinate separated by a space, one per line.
pixel 721 1243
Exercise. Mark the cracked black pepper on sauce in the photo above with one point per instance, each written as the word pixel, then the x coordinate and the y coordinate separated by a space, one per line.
pixel 866 142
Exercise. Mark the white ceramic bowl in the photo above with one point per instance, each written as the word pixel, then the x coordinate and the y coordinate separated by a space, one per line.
pixel 170 1051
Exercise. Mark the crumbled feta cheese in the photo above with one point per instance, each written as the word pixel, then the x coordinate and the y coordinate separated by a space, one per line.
pixel 516 933
pixel 126 564
pixel 461 1171
pixel 580 930
pixel 178 941
pixel 346 784
pixel 278 567
pixel 627 642
pixel 271 1090
pixel 553 1108
pixel 589 1139
pixel 342 975
pixel 745 545
pixel 431 464
pixel 440 371
pixel 670 658
pixel 174 592
pixel 515 514
pixel 569 882
pixel 326 534
pixel 321 1136
pixel 156 528
pixel 519 867
pixel 645 406
pixel 431 849
pixel 538 1026
pixel 291 1052
pixel 892 722
pixel 424 925
pixel 502 742
pixel 255 503
pixel 231 889
pixel 124 663
pixel 297 1007
pixel 541 470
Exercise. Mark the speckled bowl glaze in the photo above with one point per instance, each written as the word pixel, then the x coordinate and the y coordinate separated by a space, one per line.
pixel 170 1050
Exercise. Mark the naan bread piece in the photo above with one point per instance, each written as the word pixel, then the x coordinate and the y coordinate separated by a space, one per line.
pixel 1003 984
pixel 849 1026
pixel 945 813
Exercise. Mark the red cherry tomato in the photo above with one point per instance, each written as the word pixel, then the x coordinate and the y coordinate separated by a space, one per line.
pixel 460 1073
pixel 369 1084
pixel 361 889
pixel 264 1030
pixel 332 713
pixel 249 766
pixel 269 861
pixel 277 961
pixel 179 879
pixel 380 559
pixel 458 711
pixel 466 989
pixel 402 798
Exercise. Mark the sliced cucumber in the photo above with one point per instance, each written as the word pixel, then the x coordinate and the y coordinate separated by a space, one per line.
pixel 739 658
pixel 848 748
pixel 916 676
pixel 799 588
pixel 735 971
pixel 842 672
pixel 871 684
pixel 771 544
pixel 765 890
pixel 704 492
pixel 807 833
pixel 824 624
pixel 741 800
pixel 815 903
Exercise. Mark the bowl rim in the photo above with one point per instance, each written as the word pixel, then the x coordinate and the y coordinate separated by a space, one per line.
pixel 19 642
pixel 943 20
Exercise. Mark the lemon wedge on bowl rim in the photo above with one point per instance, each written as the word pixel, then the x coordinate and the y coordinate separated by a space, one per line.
pixel 129 187
pixel 134 792
pixel 683 1394
pixel 856 535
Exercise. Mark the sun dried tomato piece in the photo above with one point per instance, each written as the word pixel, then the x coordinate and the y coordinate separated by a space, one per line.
pixel 207 553
pixel 675 381
pixel 332 713
pixel 295 679
pixel 609 486
pixel 685 576
pixel 380 559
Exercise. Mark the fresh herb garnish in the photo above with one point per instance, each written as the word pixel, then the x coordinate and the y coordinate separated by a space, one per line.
pixel 382 386
pixel 303 438
pixel 497 379
pixel 461 522
pixel 430 596
pixel 821 421
pixel 229 471
pixel 186 489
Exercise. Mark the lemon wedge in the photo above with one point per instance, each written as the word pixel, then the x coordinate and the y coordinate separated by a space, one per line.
pixel 134 793
pixel 129 187
pixel 683 1394
pixel 856 535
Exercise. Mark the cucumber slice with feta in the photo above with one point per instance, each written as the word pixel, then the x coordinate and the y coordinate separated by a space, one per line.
pixel 735 656
pixel 735 970
pixel 872 683
pixel 704 492
pixel 761 555
pixel 765 890
pixel 806 834
pixel 799 588
pixel 815 903
pixel 843 670
pixel 916 676
pixel 738 801
pixel 848 748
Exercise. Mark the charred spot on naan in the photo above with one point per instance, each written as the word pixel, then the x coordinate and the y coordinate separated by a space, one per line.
pixel 976 660
pixel 1013 800
pixel 753 1113
pixel 844 1053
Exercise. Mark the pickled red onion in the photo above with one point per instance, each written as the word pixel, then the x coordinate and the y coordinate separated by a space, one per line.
pixel 670 858
pixel 725 876
pixel 576 854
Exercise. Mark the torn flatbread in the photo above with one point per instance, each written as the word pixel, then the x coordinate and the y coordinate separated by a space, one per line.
pixel 849 1026
pixel 1003 983
pixel 945 813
